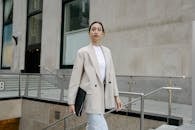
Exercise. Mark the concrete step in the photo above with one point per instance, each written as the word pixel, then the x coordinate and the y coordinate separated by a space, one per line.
pixel 187 127
pixel 166 127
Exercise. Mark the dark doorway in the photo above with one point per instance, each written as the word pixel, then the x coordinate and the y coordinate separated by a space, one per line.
pixel 32 61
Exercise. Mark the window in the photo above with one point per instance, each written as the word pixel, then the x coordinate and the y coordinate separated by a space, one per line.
pixel 7 45
pixel 34 29
pixel 76 15
pixel 34 22
pixel 34 6
pixel 33 40
pixel 75 30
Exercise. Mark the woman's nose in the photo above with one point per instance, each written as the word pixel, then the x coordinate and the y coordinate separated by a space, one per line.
pixel 95 31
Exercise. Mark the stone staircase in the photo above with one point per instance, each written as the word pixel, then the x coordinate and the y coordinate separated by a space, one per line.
pixel 170 127
pixel 166 127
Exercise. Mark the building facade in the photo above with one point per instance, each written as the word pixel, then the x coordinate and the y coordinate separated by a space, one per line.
pixel 146 37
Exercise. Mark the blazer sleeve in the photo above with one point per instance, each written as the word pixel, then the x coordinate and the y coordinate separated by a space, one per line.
pixel 75 78
pixel 115 87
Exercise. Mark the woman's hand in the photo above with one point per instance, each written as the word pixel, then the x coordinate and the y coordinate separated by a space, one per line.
pixel 118 103
pixel 72 108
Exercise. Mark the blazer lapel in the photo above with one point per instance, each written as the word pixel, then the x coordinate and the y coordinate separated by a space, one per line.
pixel 95 63
pixel 107 60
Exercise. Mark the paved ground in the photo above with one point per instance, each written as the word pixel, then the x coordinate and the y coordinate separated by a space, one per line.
pixel 159 107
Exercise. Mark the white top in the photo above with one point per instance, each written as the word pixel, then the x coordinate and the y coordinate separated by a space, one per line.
pixel 101 61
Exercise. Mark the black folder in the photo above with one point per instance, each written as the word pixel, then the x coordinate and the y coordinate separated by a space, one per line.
pixel 79 101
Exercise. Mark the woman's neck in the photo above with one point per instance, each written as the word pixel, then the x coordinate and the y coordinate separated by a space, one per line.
pixel 96 43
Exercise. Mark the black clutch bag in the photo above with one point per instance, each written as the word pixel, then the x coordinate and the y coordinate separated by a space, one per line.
pixel 79 101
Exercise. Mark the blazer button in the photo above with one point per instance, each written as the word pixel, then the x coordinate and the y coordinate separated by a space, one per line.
pixel 109 82
pixel 95 85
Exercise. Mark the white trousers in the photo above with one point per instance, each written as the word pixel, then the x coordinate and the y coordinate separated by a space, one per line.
pixel 96 122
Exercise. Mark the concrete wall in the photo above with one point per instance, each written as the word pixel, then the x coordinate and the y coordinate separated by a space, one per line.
pixel 1 27
pixel 37 115
pixel 19 30
pixel 148 37
pixel 119 122
pixel 51 34
pixel 10 109
pixel 193 75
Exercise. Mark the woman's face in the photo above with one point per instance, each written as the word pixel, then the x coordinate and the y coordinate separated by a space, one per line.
pixel 96 33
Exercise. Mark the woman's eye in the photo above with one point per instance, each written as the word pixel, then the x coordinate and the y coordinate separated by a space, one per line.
pixel 96 29
pixel 93 29
pixel 99 29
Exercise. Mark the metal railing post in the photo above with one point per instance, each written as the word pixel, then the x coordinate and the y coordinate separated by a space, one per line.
pixel 169 100
pixel 170 89
pixel 142 113
pixel 169 104
pixel 39 87
pixel 26 86
pixel 64 124
pixel 61 94
pixel 141 98
pixel 19 89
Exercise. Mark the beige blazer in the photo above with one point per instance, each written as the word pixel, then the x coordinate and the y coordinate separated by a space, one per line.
pixel 86 74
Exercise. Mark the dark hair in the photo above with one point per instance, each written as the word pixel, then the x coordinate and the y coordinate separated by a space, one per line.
pixel 98 23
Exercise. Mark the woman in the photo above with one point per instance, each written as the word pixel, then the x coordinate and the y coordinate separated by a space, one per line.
pixel 94 72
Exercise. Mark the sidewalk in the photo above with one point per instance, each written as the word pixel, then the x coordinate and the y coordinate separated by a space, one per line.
pixel 161 107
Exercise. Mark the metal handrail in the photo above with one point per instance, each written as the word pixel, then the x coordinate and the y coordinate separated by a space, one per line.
pixel 158 76
pixel 54 123
pixel 142 97
pixel 112 110
pixel 23 80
